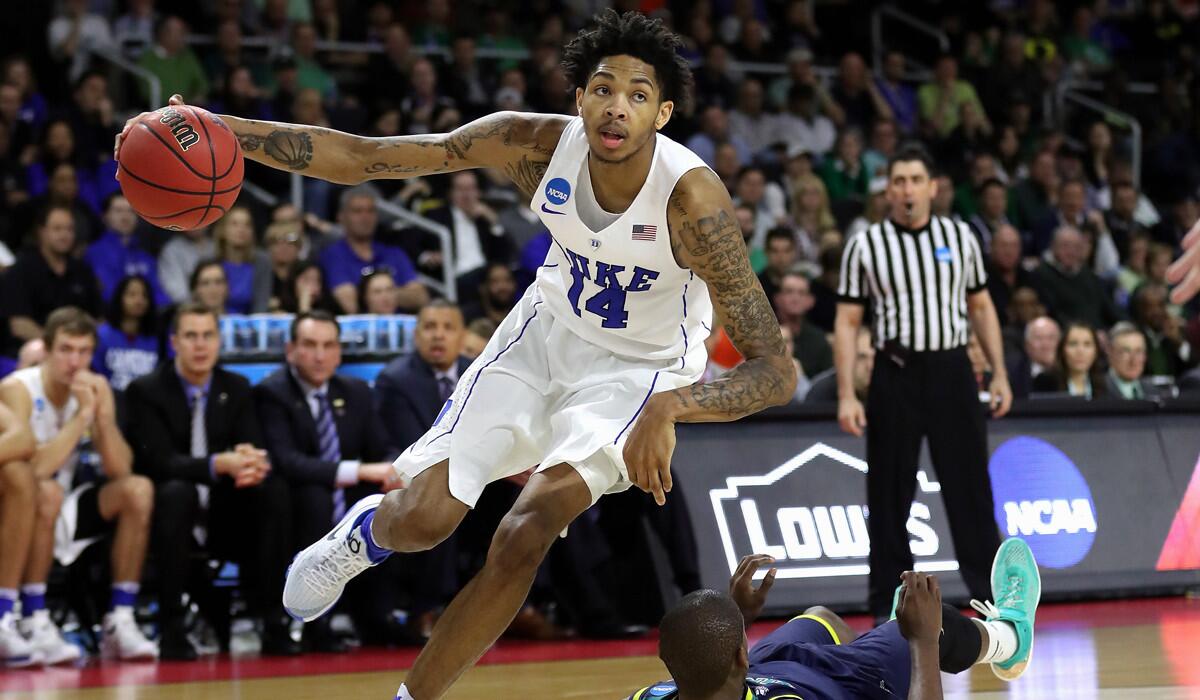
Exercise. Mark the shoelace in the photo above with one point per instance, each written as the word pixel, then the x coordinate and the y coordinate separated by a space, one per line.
pixel 1009 597
pixel 329 573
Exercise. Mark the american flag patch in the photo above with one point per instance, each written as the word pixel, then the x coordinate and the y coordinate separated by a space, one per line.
pixel 644 232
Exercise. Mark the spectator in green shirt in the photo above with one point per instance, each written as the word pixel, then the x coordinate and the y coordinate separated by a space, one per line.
pixel 940 103
pixel 175 65
pixel 310 73
pixel 844 174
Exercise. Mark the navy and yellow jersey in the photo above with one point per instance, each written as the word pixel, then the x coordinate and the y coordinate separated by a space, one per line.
pixel 805 660
pixel 756 689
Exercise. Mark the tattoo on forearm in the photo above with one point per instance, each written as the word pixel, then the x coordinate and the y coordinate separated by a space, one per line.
pixel 292 149
pixel 393 169
pixel 713 248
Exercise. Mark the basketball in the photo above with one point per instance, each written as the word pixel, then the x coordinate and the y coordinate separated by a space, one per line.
pixel 181 167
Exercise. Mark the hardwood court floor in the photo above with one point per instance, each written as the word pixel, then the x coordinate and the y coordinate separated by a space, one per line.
pixel 1136 649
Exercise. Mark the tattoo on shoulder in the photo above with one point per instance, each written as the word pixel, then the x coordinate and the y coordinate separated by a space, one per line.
pixel 526 173
pixel 292 149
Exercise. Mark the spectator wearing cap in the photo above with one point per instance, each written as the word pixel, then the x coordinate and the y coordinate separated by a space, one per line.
pixel 898 94
pixel 714 130
pixel 174 63
pixel 358 253
pixel 803 125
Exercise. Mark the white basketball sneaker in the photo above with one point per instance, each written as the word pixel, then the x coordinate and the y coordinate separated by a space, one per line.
pixel 123 639
pixel 47 639
pixel 15 650
pixel 319 573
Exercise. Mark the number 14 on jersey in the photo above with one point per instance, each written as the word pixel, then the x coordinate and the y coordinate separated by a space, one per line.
pixel 609 301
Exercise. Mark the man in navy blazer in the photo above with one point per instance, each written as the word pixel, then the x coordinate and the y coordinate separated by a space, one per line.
pixel 410 390
pixel 194 432
pixel 324 437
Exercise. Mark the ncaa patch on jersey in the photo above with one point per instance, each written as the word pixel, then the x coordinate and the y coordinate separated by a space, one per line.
pixel 943 255
pixel 558 191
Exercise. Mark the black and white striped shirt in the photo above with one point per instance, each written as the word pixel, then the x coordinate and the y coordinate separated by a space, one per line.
pixel 917 281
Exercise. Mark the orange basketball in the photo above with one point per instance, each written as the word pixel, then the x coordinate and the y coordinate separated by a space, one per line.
pixel 180 167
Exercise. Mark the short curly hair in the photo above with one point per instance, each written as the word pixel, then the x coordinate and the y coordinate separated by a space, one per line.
pixel 631 34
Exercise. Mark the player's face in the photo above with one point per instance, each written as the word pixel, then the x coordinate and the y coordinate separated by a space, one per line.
pixel 910 191
pixel 439 336
pixel 196 343
pixel 621 108
pixel 69 354
pixel 316 351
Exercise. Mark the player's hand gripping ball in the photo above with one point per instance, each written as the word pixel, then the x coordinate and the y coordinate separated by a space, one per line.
pixel 180 167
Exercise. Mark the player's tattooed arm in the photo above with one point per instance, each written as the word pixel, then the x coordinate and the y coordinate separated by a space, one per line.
pixel 518 143
pixel 706 238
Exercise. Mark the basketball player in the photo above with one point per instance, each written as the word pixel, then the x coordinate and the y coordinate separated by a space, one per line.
pixel 1185 271
pixel 702 641
pixel 67 408
pixel 591 370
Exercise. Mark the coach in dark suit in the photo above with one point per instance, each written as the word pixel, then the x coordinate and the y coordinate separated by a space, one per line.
pixel 195 433
pixel 325 439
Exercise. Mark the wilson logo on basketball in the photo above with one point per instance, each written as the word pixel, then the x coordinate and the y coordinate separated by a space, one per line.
pixel 183 132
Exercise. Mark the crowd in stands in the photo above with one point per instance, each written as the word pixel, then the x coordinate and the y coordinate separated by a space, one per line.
pixel 1077 243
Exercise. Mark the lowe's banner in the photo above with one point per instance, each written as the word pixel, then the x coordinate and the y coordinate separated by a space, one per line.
pixel 1107 503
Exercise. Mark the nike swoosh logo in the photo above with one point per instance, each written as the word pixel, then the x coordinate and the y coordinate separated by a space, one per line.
pixel 551 211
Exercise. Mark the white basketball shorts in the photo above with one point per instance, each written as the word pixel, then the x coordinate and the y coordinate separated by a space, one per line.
pixel 540 396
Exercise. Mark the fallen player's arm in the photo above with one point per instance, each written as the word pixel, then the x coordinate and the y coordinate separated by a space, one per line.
pixel 706 239
pixel 518 143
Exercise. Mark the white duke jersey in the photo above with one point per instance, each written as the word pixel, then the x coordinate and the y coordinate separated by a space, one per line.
pixel 620 287
pixel 45 421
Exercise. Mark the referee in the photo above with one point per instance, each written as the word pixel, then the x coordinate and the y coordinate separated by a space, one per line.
pixel 924 278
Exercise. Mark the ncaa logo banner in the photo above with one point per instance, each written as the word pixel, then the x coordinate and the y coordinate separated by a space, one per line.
pixel 809 513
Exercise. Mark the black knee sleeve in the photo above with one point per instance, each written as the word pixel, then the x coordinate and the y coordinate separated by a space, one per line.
pixel 960 643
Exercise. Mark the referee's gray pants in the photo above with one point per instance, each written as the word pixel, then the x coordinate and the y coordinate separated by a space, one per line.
pixel 933 395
